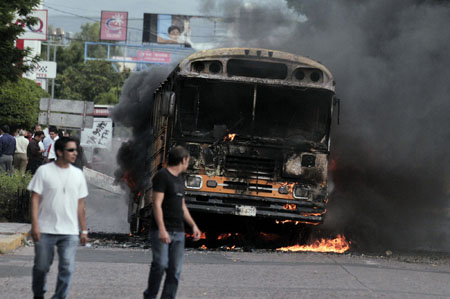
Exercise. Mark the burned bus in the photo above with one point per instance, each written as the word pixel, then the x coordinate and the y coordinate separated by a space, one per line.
pixel 257 125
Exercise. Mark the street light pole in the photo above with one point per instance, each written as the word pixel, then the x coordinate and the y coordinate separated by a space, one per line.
pixel 58 35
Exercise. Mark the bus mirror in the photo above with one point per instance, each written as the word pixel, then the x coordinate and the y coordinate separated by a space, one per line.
pixel 168 103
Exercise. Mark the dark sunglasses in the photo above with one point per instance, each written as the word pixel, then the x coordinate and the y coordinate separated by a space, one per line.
pixel 70 149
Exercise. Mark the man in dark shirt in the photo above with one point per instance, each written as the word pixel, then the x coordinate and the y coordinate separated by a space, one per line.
pixel 34 152
pixel 167 233
pixel 7 149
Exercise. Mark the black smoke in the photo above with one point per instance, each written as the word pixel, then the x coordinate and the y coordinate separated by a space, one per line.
pixel 134 111
pixel 391 63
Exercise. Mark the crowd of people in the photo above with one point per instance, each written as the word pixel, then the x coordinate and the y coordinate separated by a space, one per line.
pixel 23 150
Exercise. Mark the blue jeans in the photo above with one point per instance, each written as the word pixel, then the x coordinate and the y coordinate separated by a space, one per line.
pixel 44 251
pixel 166 258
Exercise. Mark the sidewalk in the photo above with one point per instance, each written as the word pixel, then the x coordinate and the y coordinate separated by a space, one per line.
pixel 12 235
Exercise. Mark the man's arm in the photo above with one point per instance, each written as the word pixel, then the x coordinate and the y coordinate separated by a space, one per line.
pixel 158 198
pixel 35 231
pixel 188 218
pixel 82 221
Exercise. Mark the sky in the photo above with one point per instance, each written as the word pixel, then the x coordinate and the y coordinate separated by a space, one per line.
pixel 135 8
pixel 71 15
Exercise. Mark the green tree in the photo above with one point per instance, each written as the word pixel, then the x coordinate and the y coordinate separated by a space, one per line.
pixel 14 61
pixel 19 102
pixel 91 81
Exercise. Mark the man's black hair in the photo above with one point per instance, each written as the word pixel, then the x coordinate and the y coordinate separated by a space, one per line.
pixel 173 27
pixel 39 133
pixel 5 129
pixel 176 155
pixel 53 129
pixel 61 143
pixel 35 126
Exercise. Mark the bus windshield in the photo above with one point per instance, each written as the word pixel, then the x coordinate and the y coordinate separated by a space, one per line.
pixel 275 111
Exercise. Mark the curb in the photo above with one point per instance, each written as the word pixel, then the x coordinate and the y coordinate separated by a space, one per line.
pixel 10 243
pixel 13 236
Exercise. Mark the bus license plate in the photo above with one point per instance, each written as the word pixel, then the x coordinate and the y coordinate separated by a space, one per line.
pixel 245 211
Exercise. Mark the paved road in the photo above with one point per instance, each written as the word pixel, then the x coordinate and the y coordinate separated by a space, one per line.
pixel 122 273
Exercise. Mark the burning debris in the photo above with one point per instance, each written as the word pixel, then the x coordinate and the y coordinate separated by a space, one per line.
pixel 336 245
pixel 391 150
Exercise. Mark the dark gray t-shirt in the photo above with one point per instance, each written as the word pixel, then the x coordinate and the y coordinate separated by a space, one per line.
pixel 172 205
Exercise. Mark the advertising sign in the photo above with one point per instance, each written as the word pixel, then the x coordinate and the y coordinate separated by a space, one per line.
pixel 166 29
pixel 100 135
pixel 153 56
pixel 114 25
pixel 37 31
pixel 46 69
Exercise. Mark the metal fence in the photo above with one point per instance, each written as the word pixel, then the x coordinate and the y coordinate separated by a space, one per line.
pixel 19 207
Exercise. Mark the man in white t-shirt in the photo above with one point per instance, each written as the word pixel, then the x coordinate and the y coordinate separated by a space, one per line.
pixel 57 217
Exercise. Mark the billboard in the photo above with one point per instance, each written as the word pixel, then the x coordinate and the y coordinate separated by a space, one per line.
pixel 114 25
pixel 37 31
pixel 166 29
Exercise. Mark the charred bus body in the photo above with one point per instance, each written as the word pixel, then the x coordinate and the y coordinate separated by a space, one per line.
pixel 257 125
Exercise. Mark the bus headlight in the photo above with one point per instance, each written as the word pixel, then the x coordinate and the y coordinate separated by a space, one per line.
pixel 283 189
pixel 193 181
pixel 300 192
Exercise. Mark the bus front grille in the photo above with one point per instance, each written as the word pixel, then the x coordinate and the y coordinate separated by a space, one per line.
pixel 249 166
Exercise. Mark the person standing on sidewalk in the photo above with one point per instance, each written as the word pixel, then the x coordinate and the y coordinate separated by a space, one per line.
pixel 38 128
pixel 51 153
pixel 20 155
pixel 7 149
pixel 167 231
pixel 57 216
pixel 34 152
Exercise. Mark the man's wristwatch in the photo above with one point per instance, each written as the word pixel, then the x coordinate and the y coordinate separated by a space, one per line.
pixel 84 232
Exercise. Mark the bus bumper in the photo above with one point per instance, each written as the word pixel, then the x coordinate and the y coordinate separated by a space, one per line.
pixel 307 212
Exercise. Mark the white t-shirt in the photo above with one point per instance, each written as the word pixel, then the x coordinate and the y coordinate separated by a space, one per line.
pixel 60 189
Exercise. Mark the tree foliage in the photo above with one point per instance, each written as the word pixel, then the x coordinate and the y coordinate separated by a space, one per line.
pixel 90 81
pixel 19 102
pixel 14 61
pixel 95 81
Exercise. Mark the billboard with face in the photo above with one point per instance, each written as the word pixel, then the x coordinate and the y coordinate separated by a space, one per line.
pixel 166 29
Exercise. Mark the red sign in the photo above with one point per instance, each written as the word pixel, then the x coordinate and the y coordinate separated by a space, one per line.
pixel 153 56
pixel 114 25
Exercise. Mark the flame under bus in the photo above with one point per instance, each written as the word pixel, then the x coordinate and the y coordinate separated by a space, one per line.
pixel 257 125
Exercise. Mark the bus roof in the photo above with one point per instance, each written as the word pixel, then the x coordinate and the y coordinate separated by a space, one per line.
pixel 294 63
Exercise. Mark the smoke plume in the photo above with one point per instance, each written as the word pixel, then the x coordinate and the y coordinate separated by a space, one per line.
pixel 390 60
pixel 134 111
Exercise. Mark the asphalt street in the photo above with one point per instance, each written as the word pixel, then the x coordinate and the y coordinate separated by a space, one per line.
pixel 122 273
